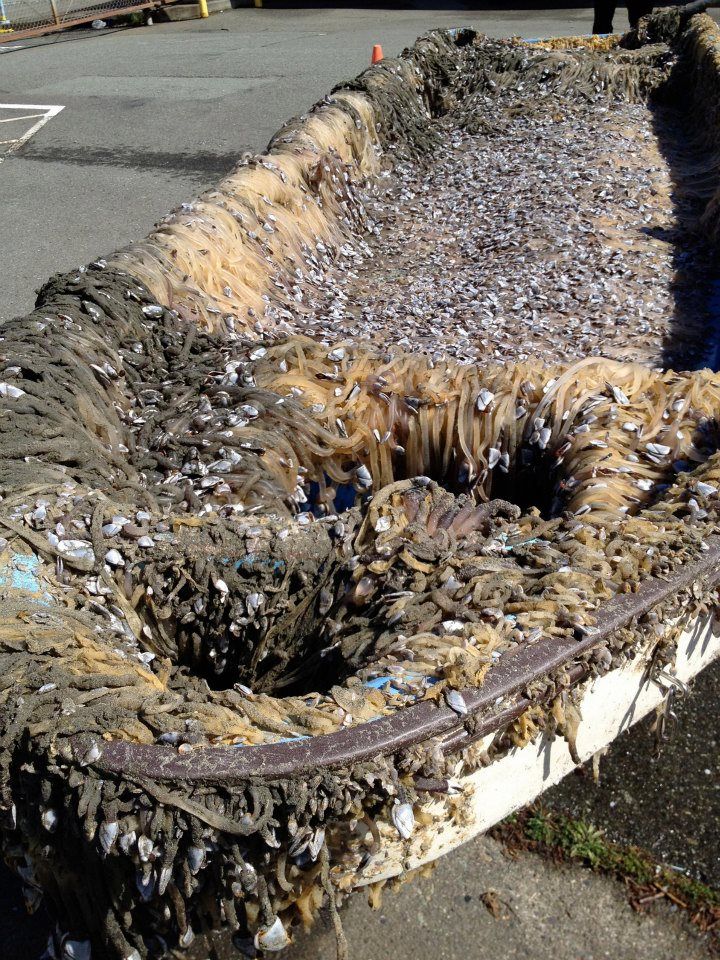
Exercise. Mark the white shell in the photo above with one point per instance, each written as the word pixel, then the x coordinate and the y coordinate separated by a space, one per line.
pixel 9 392
pixel 75 549
pixel 195 858
pixel 77 950
pixel 364 477
pixel 456 701
pixel 272 938
pixel 493 457
pixel 165 877
pixel 50 820
pixel 127 841
pixel 620 397
pixel 114 558
pixel 93 753
pixel 145 848
pixel 705 489
pixel 316 843
pixel 485 398
pixel 254 601
pixel 108 834
pixel 404 819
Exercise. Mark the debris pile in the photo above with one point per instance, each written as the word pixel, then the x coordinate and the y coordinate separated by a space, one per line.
pixel 340 437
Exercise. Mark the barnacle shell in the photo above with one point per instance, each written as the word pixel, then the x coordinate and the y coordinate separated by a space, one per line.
pixel 108 833
pixel 50 820
pixel 195 858
pixel 273 937
pixel 404 819
pixel 76 950
pixel 456 701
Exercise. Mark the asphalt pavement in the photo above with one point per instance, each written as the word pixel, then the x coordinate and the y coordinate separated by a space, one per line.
pixel 152 116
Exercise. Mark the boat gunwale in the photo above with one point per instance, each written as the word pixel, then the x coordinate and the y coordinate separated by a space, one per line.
pixel 497 702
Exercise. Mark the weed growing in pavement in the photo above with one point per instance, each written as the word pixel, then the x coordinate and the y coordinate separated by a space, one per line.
pixel 561 838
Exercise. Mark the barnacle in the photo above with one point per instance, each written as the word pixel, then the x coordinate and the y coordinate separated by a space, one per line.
pixel 223 526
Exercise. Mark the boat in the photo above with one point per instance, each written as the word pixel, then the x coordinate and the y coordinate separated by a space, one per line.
pixel 297 597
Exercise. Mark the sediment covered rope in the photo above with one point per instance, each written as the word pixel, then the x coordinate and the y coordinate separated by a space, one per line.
pixel 174 451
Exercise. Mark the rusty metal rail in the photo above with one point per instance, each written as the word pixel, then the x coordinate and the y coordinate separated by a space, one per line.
pixel 498 701
pixel 698 6
pixel 25 19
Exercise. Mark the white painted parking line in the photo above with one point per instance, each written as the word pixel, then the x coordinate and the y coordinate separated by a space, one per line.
pixel 30 111
pixel 27 116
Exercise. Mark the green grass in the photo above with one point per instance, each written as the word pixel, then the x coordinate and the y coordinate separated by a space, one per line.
pixel 563 838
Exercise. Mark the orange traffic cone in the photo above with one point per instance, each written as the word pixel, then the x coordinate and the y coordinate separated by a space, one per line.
pixel 377 54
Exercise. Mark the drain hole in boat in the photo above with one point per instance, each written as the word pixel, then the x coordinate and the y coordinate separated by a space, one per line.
pixel 302 621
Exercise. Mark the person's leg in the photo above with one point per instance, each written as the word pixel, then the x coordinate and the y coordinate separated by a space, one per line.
pixel 637 9
pixel 604 13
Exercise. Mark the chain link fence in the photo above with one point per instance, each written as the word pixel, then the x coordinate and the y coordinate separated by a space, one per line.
pixel 26 18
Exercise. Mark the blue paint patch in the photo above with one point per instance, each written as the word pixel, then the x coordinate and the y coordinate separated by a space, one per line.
pixel 24 574
pixel 582 36
pixel 345 498
pixel 252 562
pixel 379 682
pixel 508 548
pixel 713 303
pixel 20 573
